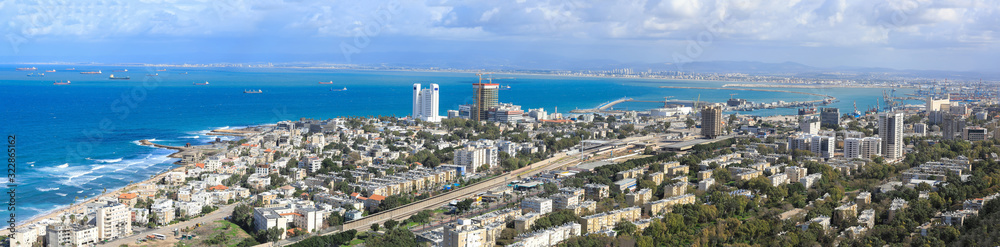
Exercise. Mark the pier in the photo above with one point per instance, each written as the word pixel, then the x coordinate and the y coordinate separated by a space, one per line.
pixel 603 107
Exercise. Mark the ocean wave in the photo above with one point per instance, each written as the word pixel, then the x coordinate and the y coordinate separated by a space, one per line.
pixel 98 167
pixel 60 194
pixel 64 165
pixel 30 162
pixel 106 160
pixel 46 189
pixel 190 137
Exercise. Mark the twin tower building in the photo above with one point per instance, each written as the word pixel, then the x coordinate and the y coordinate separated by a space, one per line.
pixel 425 102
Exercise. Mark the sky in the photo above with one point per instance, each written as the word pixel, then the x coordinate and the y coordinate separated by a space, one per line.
pixel 900 34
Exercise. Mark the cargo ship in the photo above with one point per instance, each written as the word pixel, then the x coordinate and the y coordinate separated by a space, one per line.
pixel 345 89
pixel 91 72
pixel 184 73
pixel 199 84
pixel 27 69
pixel 36 75
pixel 326 82
pixel 252 91
pixel 70 69
pixel 161 70
pixel 121 70
pixel 50 71
pixel 112 77
pixel 61 83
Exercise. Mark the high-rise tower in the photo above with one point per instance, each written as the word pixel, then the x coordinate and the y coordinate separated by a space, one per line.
pixel 711 121
pixel 890 129
pixel 425 102
pixel 486 97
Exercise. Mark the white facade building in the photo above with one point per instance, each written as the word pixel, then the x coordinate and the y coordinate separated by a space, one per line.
pixel 425 103
pixel 890 129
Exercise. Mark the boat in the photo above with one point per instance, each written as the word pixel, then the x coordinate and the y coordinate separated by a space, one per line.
pixel 61 83
pixel 118 78
pixel 27 69
pixel 36 75
pixel 205 83
pixel 50 71
pixel 70 69
pixel 182 73
pixel 161 70
pixel 252 91
pixel 121 70
pixel 344 89
pixel 326 82
pixel 91 72
pixel 153 74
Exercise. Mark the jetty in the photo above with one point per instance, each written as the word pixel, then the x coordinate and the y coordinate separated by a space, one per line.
pixel 231 132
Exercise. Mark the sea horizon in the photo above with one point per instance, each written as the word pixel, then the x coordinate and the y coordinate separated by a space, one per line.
pixel 78 140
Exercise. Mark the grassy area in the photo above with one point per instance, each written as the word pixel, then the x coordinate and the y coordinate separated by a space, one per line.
pixel 228 233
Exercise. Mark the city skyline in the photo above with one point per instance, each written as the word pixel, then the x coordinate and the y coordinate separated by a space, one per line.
pixel 907 34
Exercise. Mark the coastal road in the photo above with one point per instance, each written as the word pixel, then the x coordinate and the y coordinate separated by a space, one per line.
pixel 168 230
pixel 398 214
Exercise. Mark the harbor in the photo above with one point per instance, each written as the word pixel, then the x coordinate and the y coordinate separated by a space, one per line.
pixel 733 104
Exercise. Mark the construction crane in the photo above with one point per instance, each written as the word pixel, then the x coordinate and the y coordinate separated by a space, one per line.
pixel 696 102
pixel 731 95
pixel 476 115
pixel 665 101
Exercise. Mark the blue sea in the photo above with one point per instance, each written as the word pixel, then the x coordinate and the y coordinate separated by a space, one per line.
pixel 74 141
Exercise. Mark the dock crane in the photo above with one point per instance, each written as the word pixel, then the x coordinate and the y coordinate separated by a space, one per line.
pixel 732 94
pixel 665 99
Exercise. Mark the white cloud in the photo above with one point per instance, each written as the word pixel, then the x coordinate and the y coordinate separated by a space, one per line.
pixel 813 23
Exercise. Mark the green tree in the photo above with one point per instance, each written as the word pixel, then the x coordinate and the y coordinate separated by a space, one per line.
pixel 625 227
pixel 390 224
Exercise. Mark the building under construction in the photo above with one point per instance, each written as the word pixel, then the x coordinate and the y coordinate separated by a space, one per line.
pixel 486 97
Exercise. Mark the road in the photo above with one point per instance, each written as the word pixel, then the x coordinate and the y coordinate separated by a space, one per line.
pixel 401 213
pixel 169 229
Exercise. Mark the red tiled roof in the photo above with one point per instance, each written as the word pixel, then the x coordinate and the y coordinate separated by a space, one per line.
pixel 128 196
pixel 200 165
pixel 218 187
pixel 377 197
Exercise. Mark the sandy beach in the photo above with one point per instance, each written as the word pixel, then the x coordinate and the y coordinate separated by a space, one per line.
pixel 79 207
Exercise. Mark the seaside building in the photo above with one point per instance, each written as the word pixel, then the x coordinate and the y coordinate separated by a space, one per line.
pixel 70 235
pixel 711 121
pixel 485 96
pixel 890 128
pixel 114 220
pixel 425 103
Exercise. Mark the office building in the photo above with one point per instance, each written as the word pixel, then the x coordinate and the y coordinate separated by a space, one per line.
pixel 711 121
pixel 485 96
pixel 852 148
pixel 891 131
pixel 974 134
pixel 830 116
pixel 425 103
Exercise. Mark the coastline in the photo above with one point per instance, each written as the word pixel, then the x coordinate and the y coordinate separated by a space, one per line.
pixel 78 207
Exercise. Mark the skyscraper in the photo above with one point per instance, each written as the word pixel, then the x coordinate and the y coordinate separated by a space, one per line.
pixel 485 96
pixel 890 129
pixel 711 121
pixel 425 103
